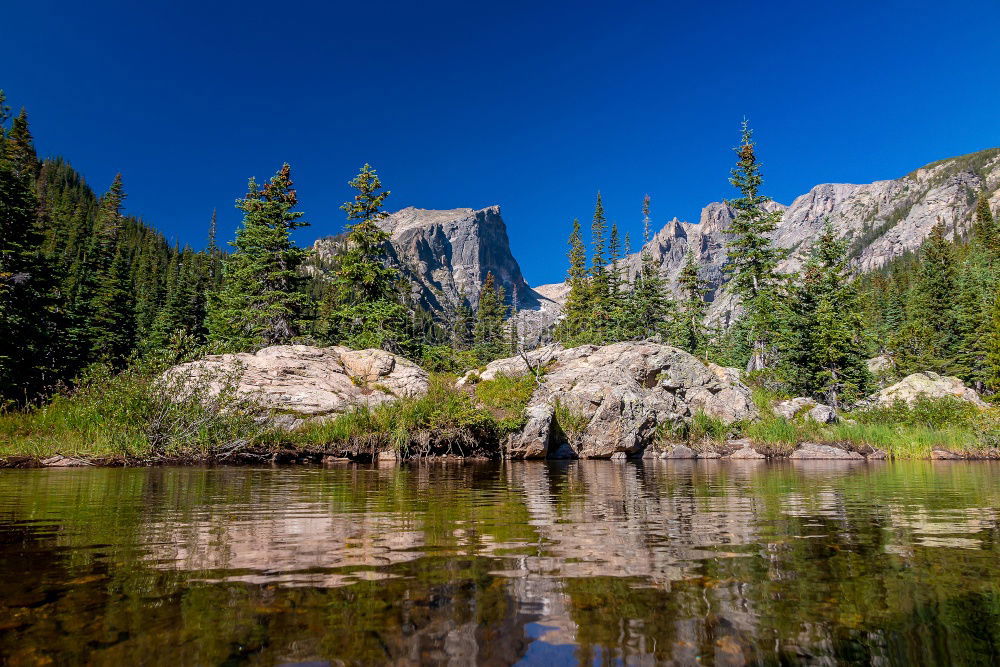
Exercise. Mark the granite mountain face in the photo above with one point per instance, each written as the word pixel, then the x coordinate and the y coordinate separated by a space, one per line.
pixel 447 254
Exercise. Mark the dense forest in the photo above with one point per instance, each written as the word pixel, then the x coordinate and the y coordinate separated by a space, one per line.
pixel 82 285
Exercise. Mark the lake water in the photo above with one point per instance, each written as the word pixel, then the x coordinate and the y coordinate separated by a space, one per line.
pixel 540 563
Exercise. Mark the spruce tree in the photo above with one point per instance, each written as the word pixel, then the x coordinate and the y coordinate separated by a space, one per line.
pixel 514 338
pixel 829 345
pixel 463 322
pixel 753 259
pixel 261 300
pixel 576 312
pixel 650 307
pixel 112 315
pixel 984 228
pixel 692 329
pixel 27 307
pixel 617 326
pixel 488 335
pixel 367 305
pixel 934 294
pixel 600 281
pixel 991 347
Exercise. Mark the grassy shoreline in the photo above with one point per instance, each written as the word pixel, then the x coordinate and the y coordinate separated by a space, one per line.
pixel 127 419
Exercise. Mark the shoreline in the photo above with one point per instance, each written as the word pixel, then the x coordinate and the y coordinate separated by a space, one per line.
pixel 729 452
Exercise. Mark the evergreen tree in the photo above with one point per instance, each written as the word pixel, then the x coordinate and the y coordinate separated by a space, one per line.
pixel 991 346
pixel 488 335
pixel 27 309
pixel 650 307
pixel 753 259
pixel 600 281
pixel 463 323
pixel 617 326
pixel 514 339
pixel 261 300
pixel 932 305
pixel 984 227
pixel 829 353
pixel 576 312
pixel 112 321
pixel 692 330
pixel 367 309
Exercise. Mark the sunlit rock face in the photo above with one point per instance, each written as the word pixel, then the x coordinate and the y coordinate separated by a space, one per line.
pixel 446 256
pixel 881 221
pixel 924 385
pixel 616 395
pixel 302 382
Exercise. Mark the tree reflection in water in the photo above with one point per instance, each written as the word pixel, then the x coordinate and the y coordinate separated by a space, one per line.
pixel 587 561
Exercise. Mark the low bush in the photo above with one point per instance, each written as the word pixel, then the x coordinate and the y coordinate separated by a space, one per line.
pixel 571 423
pixel 931 413
pixel 447 417
pixel 137 415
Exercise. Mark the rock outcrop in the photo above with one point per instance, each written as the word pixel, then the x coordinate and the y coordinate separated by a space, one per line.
pixel 926 384
pixel 806 408
pixel 616 395
pixel 447 254
pixel 300 382
pixel 882 221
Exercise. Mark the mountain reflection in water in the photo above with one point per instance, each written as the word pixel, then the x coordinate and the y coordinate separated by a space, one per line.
pixel 587 561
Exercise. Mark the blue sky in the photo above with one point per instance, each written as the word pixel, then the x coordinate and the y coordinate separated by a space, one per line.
pixel 530 105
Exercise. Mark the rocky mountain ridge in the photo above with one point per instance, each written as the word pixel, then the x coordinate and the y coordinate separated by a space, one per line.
pixel 447 254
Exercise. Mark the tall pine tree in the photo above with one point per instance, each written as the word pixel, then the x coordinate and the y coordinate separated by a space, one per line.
pixel 753 259
pixel 367 309
pixel 692 328
pixel 576 312
pixel 490 342
pixel 261 300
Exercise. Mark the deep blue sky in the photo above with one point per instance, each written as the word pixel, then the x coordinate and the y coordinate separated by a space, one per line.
pixel 530 105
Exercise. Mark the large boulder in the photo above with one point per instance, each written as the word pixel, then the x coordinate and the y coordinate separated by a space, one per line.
pixel 300 382
pixel 532 442
pixel 621 392
pixel 926 384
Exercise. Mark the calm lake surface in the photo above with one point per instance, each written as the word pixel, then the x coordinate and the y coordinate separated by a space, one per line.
pixel 538 563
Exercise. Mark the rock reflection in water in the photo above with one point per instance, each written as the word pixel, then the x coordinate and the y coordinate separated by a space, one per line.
pixel 536 562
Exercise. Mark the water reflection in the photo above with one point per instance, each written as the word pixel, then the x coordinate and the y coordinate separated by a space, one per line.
pixel 584 561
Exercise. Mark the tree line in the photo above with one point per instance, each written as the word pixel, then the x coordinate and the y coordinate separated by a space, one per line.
pixel 83 284
pixel 806 333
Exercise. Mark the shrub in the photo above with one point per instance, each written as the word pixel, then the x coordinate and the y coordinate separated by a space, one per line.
pixel 445 359
pixel 137 415
pixel 571 423
pixel 941 413
pixel 506 398
pixel 445 416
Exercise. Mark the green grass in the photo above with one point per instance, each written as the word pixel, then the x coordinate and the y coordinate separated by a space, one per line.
pixel 130 416
pixel 135 417
pixel 902 431
pixel 447 417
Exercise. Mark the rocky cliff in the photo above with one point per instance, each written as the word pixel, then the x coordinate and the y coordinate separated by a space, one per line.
pixel 447 254
pixel 882 221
